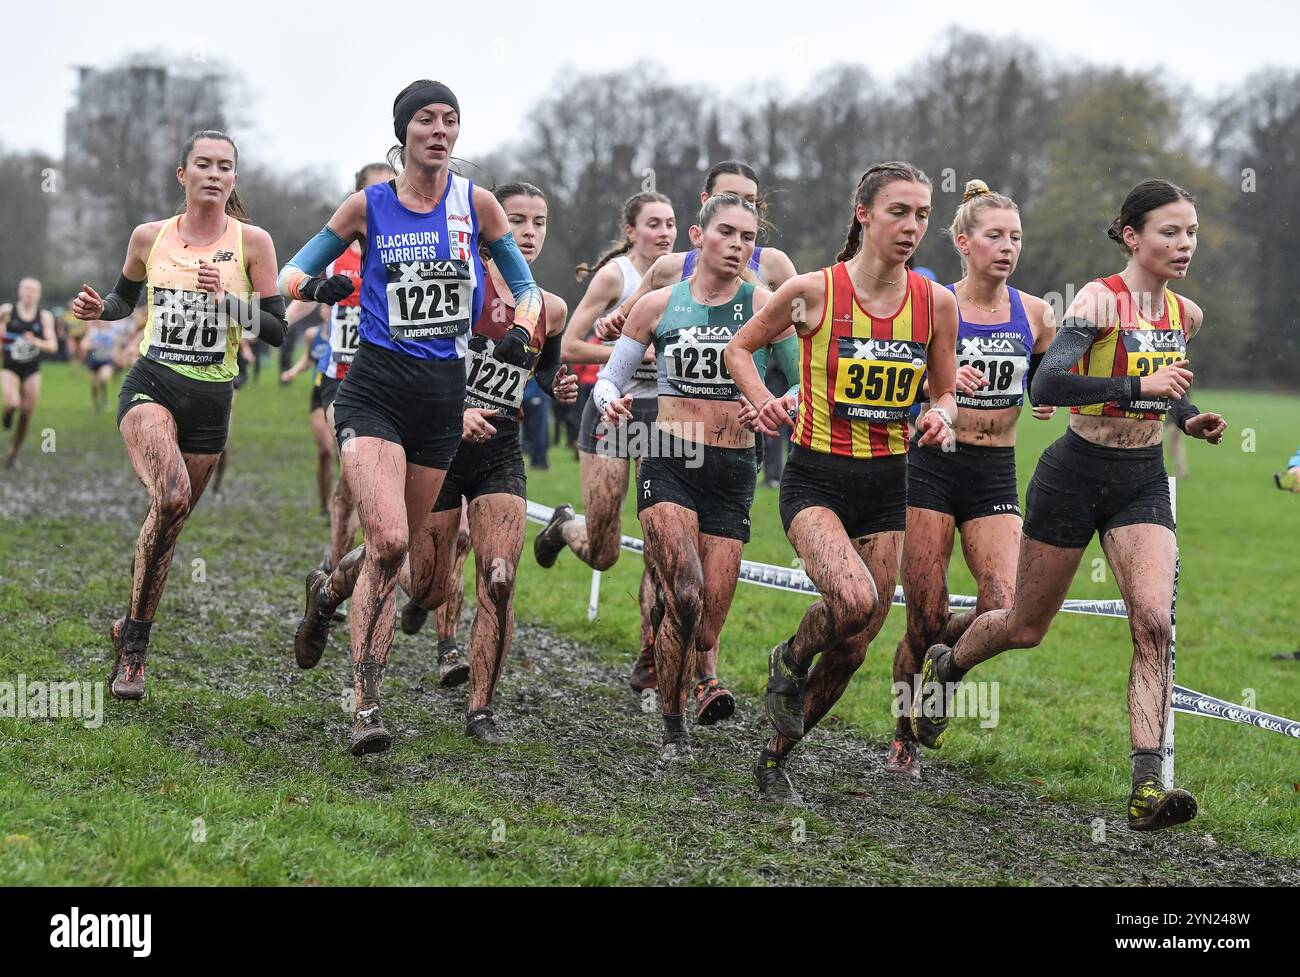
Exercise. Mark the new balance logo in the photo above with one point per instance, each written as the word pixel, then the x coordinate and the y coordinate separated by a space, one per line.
pixel 224 256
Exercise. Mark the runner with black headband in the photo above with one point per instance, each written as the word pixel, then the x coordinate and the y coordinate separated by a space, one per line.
pixel 605 454
pixel 693 499
pixel 210 277
pixel 398 413
pixel 1119 362
pixel 1002 334
pixel 487 474
pixel 28 332
pixel 868 328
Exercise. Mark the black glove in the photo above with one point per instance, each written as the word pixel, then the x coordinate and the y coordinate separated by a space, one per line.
pixel 326 290
pixel 478 342
pixel 513 348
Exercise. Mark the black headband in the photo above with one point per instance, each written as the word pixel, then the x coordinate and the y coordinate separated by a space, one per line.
pixel 405 107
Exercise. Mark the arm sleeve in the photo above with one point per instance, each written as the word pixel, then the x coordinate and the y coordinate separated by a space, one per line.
pixel 262 320
pixel 548 363
pixel 615 374
pixel 786 354
pixel 119 303
pixel 1055 384
pixel 514 269
pixel 1182 411
pixel 311 259
pixel 1295 460
pixel 1035 359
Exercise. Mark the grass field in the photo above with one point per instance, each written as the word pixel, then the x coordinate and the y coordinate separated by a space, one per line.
pixel 233 769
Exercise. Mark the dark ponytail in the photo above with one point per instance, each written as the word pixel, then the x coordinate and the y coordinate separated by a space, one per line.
pixel 876 177
pixel 1141 200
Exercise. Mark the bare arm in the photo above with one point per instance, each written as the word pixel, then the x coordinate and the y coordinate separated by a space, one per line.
pixel 941 371
pixel 799 303
pixel 601 294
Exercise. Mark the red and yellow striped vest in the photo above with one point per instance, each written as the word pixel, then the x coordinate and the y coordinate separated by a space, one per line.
pixel 859 374
pixel 1133 347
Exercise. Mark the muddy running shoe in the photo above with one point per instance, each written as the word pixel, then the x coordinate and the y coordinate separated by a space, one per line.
pixel 643 676
pixel 549 542
pixel 313 631
pixel 676 750
pixel 772 780
pixel 904 758
pixel 453 669
pixel 480 725
pixel 1151 807
pixel 413 617
pixel 369 735
pixel 783 701
pixel 126 681
pixel 713 703
pixel 933 700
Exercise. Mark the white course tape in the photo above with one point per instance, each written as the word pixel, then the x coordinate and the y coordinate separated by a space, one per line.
pixel 794 580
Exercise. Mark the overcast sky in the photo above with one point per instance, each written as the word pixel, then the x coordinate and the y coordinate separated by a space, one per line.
pixel 323 75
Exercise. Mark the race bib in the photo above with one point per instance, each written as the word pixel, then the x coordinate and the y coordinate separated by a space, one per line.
pixel 695 366
pixel 345 324
pixel 644 371
pixel 1148 351
pixel 1004 363
pixel 491 384
pixel 187 328
pixel 22 349
pixel 428 299
pixel 877 379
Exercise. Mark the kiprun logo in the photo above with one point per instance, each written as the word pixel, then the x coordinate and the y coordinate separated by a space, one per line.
pixel 53 700
pixel 970 700
pixel 103 931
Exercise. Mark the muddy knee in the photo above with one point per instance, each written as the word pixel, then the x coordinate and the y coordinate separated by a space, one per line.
pixel 685 600
pixel 851 609
pixel 1026 634
pixel 1151 632
pixel 387 550
pixel 500 581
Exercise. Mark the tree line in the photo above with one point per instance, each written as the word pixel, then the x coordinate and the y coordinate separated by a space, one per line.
pixel 1065 143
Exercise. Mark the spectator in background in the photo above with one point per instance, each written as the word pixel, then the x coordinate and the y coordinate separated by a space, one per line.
pixel 1176 448
pixel 774 448
pixel 537 413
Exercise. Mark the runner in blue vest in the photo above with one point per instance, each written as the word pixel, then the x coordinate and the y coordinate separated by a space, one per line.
pixel 398 413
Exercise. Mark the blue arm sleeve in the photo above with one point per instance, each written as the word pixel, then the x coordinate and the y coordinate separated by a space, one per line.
pixel 313 257
pixel 514 269
pixel 1295 460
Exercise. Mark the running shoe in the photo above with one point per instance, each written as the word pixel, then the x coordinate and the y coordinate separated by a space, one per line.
pixel 933 700
pixel 783 700
pixel 549 542
pixel 413 617
pixel 1151 807
pixel 480 725
pixel 313 631
pixel 675 750
pixel 713 703
pixel 126 680
pixel 453 669
pixel 772 780
pixel 369 735
pixel 904 758
pixel 643 672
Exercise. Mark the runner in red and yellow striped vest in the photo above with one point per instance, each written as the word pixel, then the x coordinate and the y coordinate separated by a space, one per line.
pixel 859 374
pixel 1120 369
pixel 869 329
